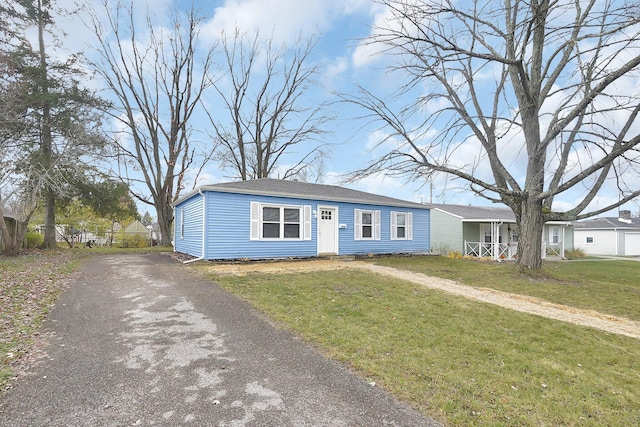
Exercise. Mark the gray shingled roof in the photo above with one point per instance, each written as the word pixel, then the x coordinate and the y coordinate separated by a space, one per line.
pixel 474 213
pixel 303 190
pixel 608 223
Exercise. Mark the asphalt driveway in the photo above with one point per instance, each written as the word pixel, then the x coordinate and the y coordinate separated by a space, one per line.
pixel 142 340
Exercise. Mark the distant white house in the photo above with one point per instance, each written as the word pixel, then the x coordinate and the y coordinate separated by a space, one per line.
pixel 618 236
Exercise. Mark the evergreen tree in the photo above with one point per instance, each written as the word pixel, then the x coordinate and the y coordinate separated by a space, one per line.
pixel 55 124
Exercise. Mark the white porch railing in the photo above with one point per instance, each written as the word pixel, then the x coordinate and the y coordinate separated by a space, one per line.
pixel 551 250
pixel 503 251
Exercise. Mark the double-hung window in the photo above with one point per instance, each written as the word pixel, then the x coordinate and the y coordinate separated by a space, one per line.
pixel 280 222
pixel 401 225
pixel 367 225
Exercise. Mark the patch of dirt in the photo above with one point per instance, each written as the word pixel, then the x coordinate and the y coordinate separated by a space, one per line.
pixel 276 267
pixel 522 303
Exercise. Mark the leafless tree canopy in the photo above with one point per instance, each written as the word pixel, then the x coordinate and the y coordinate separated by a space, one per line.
pixel 543 91
pixel 262 87
pixel 158 77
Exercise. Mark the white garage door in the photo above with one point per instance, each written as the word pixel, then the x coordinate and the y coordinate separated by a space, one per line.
pixel 632 244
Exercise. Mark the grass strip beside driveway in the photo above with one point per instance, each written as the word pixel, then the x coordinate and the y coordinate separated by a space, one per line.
pixel 460 361
pixel 29 287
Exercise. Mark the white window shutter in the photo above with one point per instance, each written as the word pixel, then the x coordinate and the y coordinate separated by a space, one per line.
pixel 377 226
pixel 307 222
pixel 357 230
pixel 394 225
pixel 410 226
pixel 255 221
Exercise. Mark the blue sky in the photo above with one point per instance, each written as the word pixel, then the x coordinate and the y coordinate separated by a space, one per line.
pixel 343 60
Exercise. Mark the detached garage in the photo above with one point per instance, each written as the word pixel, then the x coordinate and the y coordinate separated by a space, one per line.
pixel 609 236
pixel 269 218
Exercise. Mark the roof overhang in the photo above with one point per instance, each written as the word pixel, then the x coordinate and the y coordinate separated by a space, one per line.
pixel 221 189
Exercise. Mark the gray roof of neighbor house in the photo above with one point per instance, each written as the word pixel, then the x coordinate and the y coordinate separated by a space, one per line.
pixel 608 223
pixel 468 213
pixel 476 213
pixel 302 190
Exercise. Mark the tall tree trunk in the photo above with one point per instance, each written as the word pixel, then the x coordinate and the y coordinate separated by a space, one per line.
pixel 46 146
pixel 165 220
pixel 530 226
pixel 50 240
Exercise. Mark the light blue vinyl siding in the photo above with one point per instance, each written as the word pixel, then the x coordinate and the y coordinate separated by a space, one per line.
pixel 228 229
pixel 189 242
pixel 350 246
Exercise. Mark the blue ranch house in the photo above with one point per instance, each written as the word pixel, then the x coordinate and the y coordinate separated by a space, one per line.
pixel 269 219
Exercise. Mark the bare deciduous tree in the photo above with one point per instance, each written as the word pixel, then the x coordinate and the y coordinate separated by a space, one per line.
pixel 545 92
pixel 262 90
pixel 158 77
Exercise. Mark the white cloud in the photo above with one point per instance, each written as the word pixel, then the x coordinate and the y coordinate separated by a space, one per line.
pixel 333 71
pixel 382 185
pixel 196 178
pixel 367 53
pixel 285 19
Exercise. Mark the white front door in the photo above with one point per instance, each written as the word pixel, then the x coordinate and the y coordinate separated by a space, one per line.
pixel 327 230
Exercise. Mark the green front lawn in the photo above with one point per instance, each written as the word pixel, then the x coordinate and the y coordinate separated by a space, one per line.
pixel 611 287
pixel 460 361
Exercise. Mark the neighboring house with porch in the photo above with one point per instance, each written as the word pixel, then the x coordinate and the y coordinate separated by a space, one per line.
pixel 617 236
pixel 488 231
pixel 269 218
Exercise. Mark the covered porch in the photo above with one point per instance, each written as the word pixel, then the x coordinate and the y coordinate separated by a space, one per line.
pixel 498 240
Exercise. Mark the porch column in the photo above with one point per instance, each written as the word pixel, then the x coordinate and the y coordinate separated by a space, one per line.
pixel 494 240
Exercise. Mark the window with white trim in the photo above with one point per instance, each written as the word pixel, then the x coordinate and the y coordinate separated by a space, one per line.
pixel 367 225
pixel 554 235
pixel 589 240
pixel 280 222
pixel 401 225
pixel 486 233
